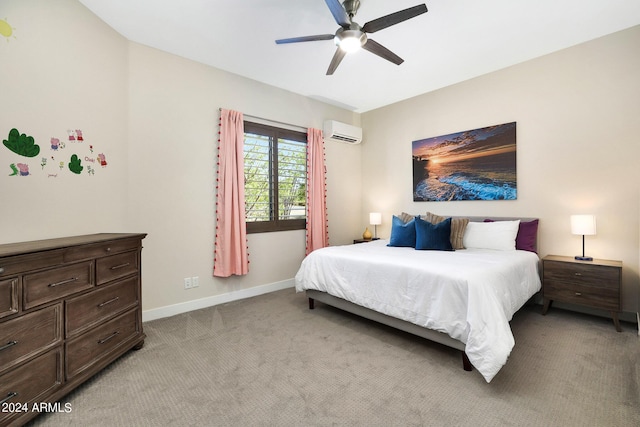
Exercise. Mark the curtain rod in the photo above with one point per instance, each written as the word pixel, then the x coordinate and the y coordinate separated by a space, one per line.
pixel 291 126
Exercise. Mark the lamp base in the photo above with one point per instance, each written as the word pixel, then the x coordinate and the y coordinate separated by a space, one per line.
pixel 583 258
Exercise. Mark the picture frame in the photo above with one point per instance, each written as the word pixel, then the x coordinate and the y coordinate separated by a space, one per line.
pixel 478 164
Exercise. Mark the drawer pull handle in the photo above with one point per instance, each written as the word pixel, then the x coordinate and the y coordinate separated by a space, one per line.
pixel 115 267
pixel 8 345
pixel 1 270
pixel 104 340
pixel 108 302
pixel 578 274
pixel 10 396
pixel 64 282
pixel 578 294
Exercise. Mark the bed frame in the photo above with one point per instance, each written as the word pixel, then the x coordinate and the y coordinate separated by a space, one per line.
pixel 402 325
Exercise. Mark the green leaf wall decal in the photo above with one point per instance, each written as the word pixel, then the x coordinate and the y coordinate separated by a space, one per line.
pixel 21 144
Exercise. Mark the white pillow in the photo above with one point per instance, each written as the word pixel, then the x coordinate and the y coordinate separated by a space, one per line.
pixel 498 235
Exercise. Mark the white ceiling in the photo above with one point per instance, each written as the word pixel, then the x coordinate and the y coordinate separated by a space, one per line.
pixel 455 41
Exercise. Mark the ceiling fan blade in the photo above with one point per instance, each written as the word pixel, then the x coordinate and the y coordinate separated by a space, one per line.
pixel 338 12
pixel 335 61
pixel 376 48
pixel 306 39
pixel 394 18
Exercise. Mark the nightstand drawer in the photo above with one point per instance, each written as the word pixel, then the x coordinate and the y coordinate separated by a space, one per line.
pixel 606 298
pixel 588 275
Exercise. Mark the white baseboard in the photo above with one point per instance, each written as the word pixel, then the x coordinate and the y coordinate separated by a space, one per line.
pixel 172 310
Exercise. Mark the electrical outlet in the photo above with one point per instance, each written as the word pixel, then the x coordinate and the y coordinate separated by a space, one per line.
pixel 195 282
pixel 187 283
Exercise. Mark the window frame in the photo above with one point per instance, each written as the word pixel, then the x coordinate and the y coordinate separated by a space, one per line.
pixel 275 223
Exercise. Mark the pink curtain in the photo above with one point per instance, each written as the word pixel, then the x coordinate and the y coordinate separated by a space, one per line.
pixel 230 253
pixel 317 226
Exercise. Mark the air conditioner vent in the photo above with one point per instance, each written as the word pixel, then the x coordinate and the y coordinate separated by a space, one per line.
pixel 342 132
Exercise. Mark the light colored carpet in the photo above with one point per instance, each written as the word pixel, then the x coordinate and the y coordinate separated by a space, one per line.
pixel 270 361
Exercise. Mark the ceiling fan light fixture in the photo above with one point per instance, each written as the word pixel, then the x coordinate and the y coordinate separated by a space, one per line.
pixel 350 40
pixel 350 37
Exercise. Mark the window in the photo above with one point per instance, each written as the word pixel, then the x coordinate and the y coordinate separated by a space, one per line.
pixel 275 178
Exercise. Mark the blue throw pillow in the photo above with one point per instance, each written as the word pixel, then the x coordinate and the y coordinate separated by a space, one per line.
pixel 402 234
pixel 433 236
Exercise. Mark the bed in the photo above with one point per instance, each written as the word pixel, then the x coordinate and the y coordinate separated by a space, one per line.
pixel 461 298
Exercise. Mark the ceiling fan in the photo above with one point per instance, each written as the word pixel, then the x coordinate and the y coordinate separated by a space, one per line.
pixel 351 36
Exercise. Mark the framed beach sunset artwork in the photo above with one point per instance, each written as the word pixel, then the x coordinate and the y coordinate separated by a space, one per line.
pixel 476 164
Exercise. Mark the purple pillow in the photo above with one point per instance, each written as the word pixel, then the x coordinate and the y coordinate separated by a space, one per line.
pixel 527 235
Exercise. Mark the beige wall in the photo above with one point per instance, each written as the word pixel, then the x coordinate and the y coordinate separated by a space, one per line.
pixel 577 120
pixel 156 117
pixel 173 120
pixel 61 69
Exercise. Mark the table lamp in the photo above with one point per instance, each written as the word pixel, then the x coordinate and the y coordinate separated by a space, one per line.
pixel 586 226
pixel 375 219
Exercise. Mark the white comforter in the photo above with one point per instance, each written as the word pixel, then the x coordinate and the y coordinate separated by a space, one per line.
pixel 470 294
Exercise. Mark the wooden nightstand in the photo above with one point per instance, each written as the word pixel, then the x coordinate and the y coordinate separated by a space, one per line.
pixel 593 284
pixel 363 240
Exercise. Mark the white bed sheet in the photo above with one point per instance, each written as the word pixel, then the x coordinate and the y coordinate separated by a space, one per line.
pixel 469 294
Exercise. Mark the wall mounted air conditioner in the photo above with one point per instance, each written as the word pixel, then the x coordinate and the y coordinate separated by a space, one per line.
pixel 342 132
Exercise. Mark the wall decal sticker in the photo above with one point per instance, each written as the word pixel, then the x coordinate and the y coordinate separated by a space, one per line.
pixel 6 30
pixel 55 143
pixel 75 164
pixel 21 144
pixel 23 169
pixel 55 163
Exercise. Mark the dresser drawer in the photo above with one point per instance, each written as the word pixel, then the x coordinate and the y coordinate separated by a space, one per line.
pixel 87 310
pixel 8 297
pixel 30 334
pixel 31 382
pixel 97 343
pixel 11 266
pixel 97 250
pixel 39 288
pixel 116 266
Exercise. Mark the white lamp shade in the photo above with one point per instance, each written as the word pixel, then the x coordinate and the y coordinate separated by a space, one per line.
pixel 375 218
pixel 583 224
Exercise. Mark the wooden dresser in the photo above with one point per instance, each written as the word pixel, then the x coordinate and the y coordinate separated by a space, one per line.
pixel 68 308
pixel 593 284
